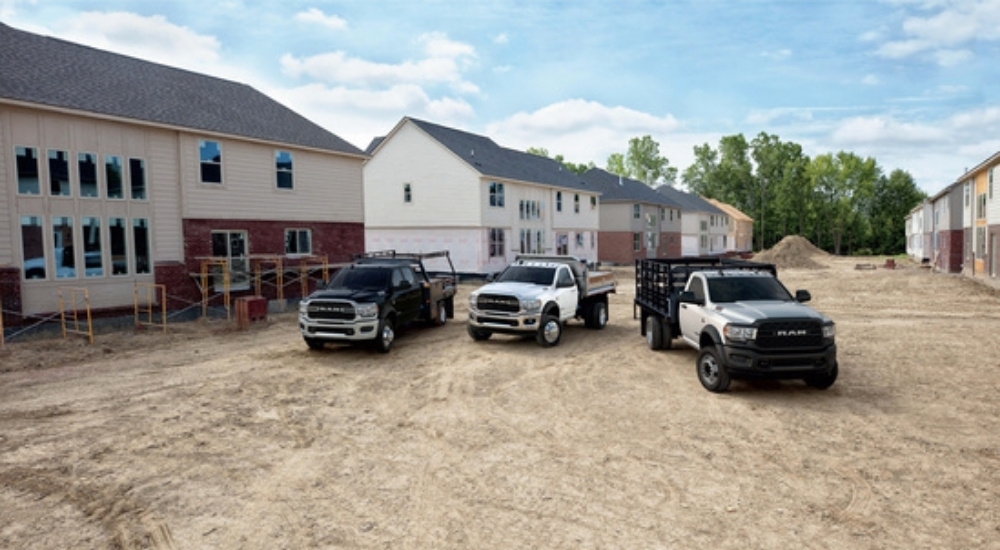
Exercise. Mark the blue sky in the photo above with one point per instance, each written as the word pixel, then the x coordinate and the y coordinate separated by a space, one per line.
pixel 913 83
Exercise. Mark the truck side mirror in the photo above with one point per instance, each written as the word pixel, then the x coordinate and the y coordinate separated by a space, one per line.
pixel 688 297
pixel 403 285
pixel 802 296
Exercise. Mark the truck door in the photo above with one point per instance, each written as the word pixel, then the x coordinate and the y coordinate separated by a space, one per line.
pixel 407 294
pixel 567 295
pixel 691 316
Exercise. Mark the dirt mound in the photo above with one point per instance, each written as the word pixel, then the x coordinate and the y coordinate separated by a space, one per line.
pixel 793 252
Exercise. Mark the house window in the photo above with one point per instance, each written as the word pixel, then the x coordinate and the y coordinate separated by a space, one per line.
pixel 140 243
pixel 980 242
pixel 407 192
pixel 558 201
pixel 33 247
pixel 496 243
pixel 298 241
pixel 93 259
pixel 211 161
pixel 496 194
pixel 651 240
pixel 576 204
pixel 62 238
pixel 704 225
pixel 981 206
pixel 704 240
pixel 562 244
pixel 283 169
pixel 593 202
pixel 579 240
pixel 593 240
pixel 636 211
pixel 231 246
pixel 113 177
pixel 137 178
pixel 87 166
pixel 636 242
pixel 26 166
pixel 118 233
pixel 59 173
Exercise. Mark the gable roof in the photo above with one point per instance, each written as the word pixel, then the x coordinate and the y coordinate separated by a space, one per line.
pixel 483 155
pixel 688 202
pixel 48 71
pixel 615 188
pixel 731 211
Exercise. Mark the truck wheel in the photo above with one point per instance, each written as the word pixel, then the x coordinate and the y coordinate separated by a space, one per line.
pixel 549 332
pixel 666 336
pixel 823 381
pixel 314 343
pixel 597 315
pixel 711 373
pixel 479 335
pixel 654 332
pixel 442 314
pixel 386 334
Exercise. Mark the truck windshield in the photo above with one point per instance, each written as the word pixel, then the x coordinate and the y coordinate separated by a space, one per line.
pixel 526 274
pixel 746 289
pixel 361 279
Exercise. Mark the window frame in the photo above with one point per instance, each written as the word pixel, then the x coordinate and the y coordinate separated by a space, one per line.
pixel 298 232
pixel 213 164
pixel 138 189
pixel 558 201
pixel 496 195
pixel 90 160
pixel 111 161
pixel 21 152
pixel 287 171
pixel 67 183
pixel 407 193
pixel 496 242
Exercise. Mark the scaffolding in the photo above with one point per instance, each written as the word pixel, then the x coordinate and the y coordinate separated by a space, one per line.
pixel 204 279
pixel 308 264
pixel 258 262
pixel 71 322
pixel 145 312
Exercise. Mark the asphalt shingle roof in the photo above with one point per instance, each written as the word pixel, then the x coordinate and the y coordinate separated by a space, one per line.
pixel 614 188
pixel 492 160
pixel 688 202
pixel 48 71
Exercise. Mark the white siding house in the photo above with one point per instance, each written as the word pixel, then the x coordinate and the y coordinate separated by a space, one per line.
pixel 131 172
pixel 429 187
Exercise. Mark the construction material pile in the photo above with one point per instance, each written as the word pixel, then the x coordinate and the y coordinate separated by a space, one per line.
pixel 793 252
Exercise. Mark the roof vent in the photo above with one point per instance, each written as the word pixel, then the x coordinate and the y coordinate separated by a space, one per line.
pixel 472 152
pixel 620 182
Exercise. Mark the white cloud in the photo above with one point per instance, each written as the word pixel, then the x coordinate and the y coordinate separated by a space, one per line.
pixel 444 63
pixel 958 22
pixel 314 15
pixel 500 38
pixel 777 55
pixel 871 80
pixel 886 130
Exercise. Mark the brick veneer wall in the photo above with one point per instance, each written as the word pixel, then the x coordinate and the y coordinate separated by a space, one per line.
pixel 338 241
pixel 10 295
pixel 616 246
pixel 950 252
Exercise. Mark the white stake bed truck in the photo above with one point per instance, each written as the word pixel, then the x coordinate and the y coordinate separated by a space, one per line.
pixel 742 320
pixel 537 295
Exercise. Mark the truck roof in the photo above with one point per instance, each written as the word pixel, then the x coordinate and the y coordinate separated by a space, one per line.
pixel 712 274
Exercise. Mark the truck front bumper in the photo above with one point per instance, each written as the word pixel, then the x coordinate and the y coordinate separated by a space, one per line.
pixel 504 323
pixel 345 331
pixel 748 362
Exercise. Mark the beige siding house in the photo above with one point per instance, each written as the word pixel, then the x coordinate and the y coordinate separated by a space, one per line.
pixel 130 171
pixel 429 187
pixel 739 230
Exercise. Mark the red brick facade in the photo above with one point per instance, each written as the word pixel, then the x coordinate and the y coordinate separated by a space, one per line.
pixel 619 247
pixel 10 295
pixel 950 251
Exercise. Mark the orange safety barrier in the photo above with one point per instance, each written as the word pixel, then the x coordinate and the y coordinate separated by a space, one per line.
pixel 71 322
pixel 148 308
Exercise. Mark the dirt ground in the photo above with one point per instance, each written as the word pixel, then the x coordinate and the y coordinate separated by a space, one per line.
pixel 210 437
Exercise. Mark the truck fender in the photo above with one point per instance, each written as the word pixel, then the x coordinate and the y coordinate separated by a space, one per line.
pixel 710 337
pixel 551 308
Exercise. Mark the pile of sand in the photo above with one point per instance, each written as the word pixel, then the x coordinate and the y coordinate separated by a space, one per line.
pixel 793 252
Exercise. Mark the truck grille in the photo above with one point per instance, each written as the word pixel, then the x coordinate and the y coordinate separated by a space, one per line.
pixel 331 310
pixel 790 334
pixel 497 302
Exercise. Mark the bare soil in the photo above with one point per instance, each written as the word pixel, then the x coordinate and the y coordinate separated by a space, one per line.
pixel 210 437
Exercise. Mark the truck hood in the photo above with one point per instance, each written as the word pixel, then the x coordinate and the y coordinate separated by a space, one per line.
pixel 359 296
pixel 749 312
pixel 521 290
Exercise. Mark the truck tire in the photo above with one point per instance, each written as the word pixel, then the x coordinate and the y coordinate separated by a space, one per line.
pixel 654 332
pixel 314 343
pixel 823 381
pixel 477 334
pixel 549 332
pixel 597 315
pixel 386 334
pixel 711 372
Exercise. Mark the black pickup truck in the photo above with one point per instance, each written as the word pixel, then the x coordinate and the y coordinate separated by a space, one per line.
pixel 741 319
pixel 379 293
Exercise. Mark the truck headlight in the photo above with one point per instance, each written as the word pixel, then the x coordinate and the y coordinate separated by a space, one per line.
pixel 737 333
pixel 303 307
pixel 531 306
pixel 473 298
pixel 367 310
pixel 829 331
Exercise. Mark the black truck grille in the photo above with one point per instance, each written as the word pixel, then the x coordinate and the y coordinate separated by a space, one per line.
pixel 790 334
pixel 496 302
pixel 331 310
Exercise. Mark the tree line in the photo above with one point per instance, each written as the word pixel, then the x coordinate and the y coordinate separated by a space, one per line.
pixel 841 202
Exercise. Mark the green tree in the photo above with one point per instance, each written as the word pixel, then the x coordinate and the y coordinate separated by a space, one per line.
pixel 643 162
pixel 894 198
pixel 575 168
